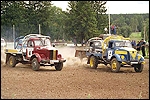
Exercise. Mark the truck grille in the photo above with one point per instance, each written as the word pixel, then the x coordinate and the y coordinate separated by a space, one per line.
pixel 53 54
pixel 133 54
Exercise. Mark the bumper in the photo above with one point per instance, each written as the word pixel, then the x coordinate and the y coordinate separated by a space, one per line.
pixel 53 61
pixel 132 63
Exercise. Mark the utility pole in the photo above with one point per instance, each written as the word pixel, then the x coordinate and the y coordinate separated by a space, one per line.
pixel 14 35
pixel 39 29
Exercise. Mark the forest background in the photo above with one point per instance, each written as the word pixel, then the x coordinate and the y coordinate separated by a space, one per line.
pixel 83 20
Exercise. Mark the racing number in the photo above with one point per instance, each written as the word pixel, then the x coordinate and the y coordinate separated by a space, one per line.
pixel 109 54
pixel 29 52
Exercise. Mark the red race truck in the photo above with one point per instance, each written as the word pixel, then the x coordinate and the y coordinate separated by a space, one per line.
pixel 37 50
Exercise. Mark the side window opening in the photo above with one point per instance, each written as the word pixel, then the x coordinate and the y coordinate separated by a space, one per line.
pixel 30 44
pixel 110 45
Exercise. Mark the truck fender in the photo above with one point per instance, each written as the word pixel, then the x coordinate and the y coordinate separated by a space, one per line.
pixel 117 57
pixel 37 56
pixel 142 58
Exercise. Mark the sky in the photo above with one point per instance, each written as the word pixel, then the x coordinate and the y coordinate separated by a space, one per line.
pixel 116 7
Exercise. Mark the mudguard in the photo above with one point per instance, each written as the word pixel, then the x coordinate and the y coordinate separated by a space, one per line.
pixel 117 57
pixel 141 59
pixel 37 56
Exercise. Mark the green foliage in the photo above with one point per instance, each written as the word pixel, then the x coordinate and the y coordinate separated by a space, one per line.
pixel 26 16
pixel 125 31
pixel 135 36
pixel 128 23
pixel 145 29
pixel 84 19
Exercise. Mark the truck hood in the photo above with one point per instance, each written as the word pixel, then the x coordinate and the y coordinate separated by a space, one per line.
pixel 49 48
pixel 132 51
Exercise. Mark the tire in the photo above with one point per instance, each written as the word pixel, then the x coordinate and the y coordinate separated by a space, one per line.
pixel 35 64
pixel 12 61
pixel 115 65
pixel 59 66
pixel 138 68
pixel 93 62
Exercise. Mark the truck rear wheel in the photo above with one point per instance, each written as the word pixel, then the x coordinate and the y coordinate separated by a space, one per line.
pixel 138 68
pixel 93 62
pixel 12 61
pixel 59 66
pixel 35 64
pixel 115 65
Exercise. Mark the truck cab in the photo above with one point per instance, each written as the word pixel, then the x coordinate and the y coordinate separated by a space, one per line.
pixel 114 45
pixel 94 44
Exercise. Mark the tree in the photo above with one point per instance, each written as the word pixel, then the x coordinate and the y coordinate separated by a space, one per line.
pixel 145 29
pixel 26 16
pixel 101 16
pixel 133 24
pixel 83 19
pixel 11 14
pixel 56 23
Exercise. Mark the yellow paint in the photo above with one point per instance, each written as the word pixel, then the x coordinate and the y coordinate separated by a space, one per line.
pixel 120 52
pixel 112 37
pixel 124 63
pixel 11 62
pixel 143 62
pixel 11 51
pixel 133 54
pixel 122 57
pixel 54 54
pixel 127 38
pixel 114 65
pixel 139 57
pixel 91 62
pixel 132 51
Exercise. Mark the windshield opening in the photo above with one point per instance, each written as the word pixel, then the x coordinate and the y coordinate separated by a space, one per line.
pixel 123 44
pixel 38 43
pixel 47 42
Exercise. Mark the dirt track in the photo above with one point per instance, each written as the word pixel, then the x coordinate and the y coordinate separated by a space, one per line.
pixel 75 81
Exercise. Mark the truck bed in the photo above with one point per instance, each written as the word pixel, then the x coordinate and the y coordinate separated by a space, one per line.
pixel 80 51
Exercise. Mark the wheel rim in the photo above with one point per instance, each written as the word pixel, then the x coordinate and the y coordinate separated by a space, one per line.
pixel 11 61
pixel 34 64
pixel 91 62
pixel 137 68
pixel 114 65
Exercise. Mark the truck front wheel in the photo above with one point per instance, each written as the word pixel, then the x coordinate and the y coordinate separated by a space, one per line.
pixel 35 64
pixel 12 61
pixel 93 62
pixel 115 65
pixel 59 66
pixel 138 68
